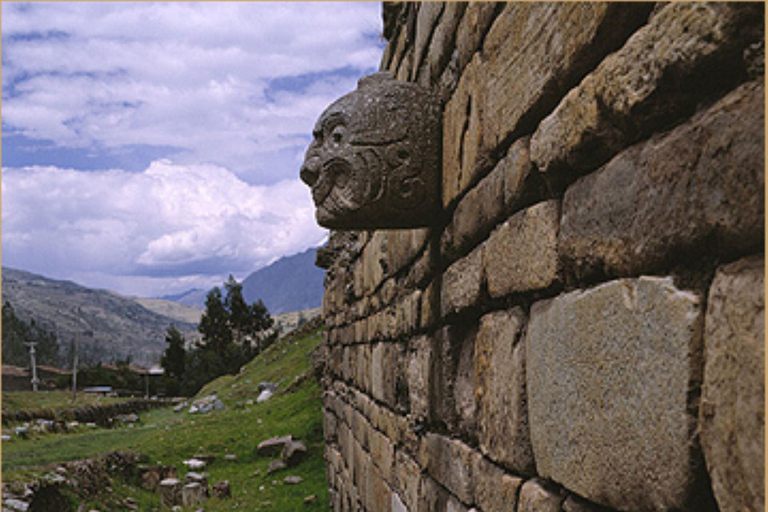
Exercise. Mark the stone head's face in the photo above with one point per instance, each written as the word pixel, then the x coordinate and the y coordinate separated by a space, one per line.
pixel 374 161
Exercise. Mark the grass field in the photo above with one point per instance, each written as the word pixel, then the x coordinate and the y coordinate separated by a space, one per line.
pixel 168 437
pixel 52 400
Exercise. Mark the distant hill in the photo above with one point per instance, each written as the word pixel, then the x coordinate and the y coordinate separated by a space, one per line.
pixel 193 297
pixel 175 310
pixel 289 284
pixel 111 326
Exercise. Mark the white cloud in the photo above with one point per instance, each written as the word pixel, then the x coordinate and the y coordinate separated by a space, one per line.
pixel 195 76
pixel 153 232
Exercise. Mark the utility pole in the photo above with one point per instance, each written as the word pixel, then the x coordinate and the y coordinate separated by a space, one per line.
pixel 74 367
pixel 35 380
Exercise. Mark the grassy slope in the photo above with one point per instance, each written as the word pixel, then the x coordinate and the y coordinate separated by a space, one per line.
pixel 52 400
pixel 169 438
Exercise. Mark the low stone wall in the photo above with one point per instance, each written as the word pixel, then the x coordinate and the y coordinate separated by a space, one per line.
pixel 584 329
pixel 102 415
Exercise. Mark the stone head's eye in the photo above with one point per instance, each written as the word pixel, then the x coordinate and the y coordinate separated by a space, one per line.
pixel 338 133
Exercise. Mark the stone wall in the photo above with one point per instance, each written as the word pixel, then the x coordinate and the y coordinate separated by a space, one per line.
pixel 584 329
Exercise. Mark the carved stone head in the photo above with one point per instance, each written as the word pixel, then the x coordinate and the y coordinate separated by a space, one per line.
pixel 374 161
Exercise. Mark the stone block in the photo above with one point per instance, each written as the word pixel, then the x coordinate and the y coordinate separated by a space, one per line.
pixel 521 254
pixel 443 42
pixel 426 21
pixel 502 412
pixel 407 314
pixel 192 494
pixel 170 492
pixel 407 479
pixel 537 496
pixel 472 28
pixel 475 215
pixel 732 410
pixel 609 375
pixel 699 188
pixel 462 283
pixel 535 52
pixel 462 133
pixel 430 305
pixel 450 463
pixel 382 453
pixel 419 375
pixel 403 245
pixel 663 71
pixel 522 184
pixel 495 491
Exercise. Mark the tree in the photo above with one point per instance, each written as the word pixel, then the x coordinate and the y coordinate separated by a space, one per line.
pixel 17 332
pixel 214 324
pixel 173 361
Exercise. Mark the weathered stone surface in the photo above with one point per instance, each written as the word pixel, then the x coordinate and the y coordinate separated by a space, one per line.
pixel 536 496
pixel 374 161
pixel 574 503
pixel 442 45
pixel 450 463
pixel 273 445
pixel 495 491
pixel 294 452
pixel 192 494
pixel 609 371
pixel 170 492
pixel 452 395
pixel 662 200
pixel 733 409
pixel 661 73
pixel 426 19
pixel 403 246
pixel 475 215
pixel 521 254
pixel 522 185
pixel 407 479
pixel 477 18
pixel 462 283
pixel 462 133
pixel 419 374
pixel 502 412
pixel 534 52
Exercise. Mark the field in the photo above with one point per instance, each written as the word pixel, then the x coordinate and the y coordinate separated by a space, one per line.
pixel 169 437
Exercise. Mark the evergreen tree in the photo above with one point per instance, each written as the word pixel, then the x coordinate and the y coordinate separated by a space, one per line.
pixel 214 324
pixel 16 332
pixel 173 361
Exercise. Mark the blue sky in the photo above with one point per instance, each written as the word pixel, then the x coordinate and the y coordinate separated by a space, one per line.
pixel 149 148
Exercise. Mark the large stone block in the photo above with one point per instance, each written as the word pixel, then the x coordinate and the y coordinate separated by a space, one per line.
pixel 502 411
pixel 536 51
pixel 442 45
pixel 661 73
pixel 408 479
pixel 537 496
pixel 699 188
pixel 610 377
pixel 426 19
pixel 472 29
pixel 495 491
pixel 521 254
pixel 462 283
pixel 450 463
pixel 475 215
pixel 419 374
pixel 733 399
pixel 462 133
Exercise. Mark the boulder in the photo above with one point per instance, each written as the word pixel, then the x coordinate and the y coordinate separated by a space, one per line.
pixel 273 446
pixel 221 490
pixel 192 494
pixel 294 452
pixel 170 491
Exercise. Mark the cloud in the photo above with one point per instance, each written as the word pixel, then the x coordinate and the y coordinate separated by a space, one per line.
pixel 157 231
pixel 197 77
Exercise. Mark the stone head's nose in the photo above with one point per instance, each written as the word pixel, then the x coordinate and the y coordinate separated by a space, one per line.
pixel 309 173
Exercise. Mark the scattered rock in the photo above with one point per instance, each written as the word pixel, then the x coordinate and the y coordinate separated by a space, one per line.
pixel 292 480
pixel 273 446
pixel 294 452
pixel 221 490
pixel 207 458
pixel 15 505
pixel 194 464
pixel 230 456
pixel 311 498
pixel 276 465
pixel 170 492
pixel 192 494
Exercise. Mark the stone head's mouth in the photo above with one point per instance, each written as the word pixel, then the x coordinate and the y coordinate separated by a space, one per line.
pixel 334 173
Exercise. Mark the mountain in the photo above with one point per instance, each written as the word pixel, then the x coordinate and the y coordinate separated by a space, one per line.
pixel 193 297
pixel 111 326
pixel 289 284
pixel 177 311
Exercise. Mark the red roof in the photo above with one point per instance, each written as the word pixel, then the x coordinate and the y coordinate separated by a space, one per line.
pixel 15 371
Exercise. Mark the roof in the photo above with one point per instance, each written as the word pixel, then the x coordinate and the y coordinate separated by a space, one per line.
pixel 53 369
pixel 14 371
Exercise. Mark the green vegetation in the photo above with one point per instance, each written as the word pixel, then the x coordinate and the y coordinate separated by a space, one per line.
pixel 169 437
pixel 233 333
pixel 51 400
pixel 17 332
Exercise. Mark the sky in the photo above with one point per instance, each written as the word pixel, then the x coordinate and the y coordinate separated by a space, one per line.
pixel 150 148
